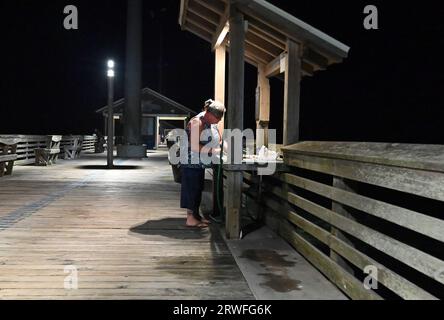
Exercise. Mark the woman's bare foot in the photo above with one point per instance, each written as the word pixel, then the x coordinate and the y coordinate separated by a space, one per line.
pixel 193 222
pixel 200 218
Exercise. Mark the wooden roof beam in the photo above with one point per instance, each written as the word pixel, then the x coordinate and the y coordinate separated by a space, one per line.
pixel 198 31
pixel 263 45
pixel 214 5
pixel 204 13
pixel 257 32
pixel 268 31
pixel 314 58
pixel 183 12
pixel 261 56
pixel 202 22
pixel 292 28
pixel 276 66
pixel 307 69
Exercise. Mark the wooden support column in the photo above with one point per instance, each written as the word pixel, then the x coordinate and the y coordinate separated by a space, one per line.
pixel 262 107
pixel 219 95
pixel 219 79
pixel 235 115
pixel 293 74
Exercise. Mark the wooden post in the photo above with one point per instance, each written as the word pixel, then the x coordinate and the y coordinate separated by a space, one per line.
pixel 235 114
pixel 219 79
pixel 219 95
pixel 262 107
pixel 293 74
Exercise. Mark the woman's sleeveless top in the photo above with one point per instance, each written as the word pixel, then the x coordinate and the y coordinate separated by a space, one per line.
pixel 194 159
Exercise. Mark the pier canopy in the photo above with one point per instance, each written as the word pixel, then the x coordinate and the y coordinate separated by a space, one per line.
pixel 268 30
pixel 158 113
pixel 153 103
pixel 278 45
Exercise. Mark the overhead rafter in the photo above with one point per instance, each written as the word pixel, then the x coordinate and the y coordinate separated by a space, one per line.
pixel 293 28
pixel 262 44
pixel 261 56
pixel 277 67
pixel 216 6
pixel 202 22
pixel 183 13
pixel 198 31
pixel 315 59
pixel 254 30
pixel 269 29
pixel 203 12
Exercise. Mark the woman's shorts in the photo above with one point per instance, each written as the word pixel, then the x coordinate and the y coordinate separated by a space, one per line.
pixel 192 186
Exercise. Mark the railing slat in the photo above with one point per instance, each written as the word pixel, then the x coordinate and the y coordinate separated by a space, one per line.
pixel 409 219
pixel 415 156
pixel 412 257
pixel 332 270
pixel 427 184
pixel 387 277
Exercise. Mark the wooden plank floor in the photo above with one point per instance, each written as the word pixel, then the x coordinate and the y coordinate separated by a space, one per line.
pixel 122 231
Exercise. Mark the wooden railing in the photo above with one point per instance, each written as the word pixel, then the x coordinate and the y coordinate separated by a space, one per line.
pixel 25 147
pixel 89 144
pixel 27 144
pixel 356 210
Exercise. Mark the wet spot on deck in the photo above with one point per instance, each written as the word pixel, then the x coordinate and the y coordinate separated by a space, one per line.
pixel 280 283
pixel 223 268
pixel 275 265
pixel 268 258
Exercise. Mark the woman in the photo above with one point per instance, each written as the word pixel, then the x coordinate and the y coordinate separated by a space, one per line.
pixel 193 172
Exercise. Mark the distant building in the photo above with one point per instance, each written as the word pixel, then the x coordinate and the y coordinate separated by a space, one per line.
pixel 159 115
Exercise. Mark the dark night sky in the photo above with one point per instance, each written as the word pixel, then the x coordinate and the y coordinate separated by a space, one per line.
pixel 389 89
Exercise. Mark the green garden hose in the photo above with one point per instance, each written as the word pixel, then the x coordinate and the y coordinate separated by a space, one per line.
pixel 219 177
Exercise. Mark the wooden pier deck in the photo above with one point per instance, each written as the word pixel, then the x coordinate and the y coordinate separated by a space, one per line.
pixel 121 232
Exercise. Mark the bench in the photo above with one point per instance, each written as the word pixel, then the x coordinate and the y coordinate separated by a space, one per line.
pixel 71 147
pixel 48 156
pixel 8 154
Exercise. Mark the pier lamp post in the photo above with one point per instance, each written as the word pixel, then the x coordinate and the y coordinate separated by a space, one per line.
pixel 110 143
